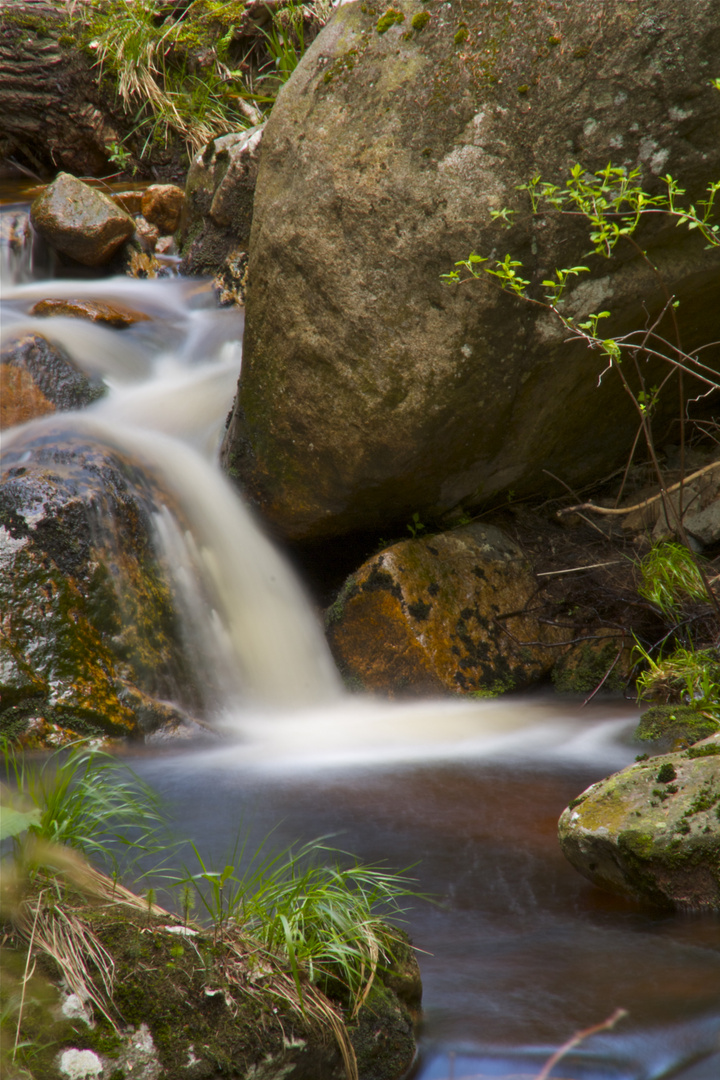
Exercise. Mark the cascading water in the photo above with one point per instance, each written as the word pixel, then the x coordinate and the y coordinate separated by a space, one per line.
pixel 521 952
pixel 244 614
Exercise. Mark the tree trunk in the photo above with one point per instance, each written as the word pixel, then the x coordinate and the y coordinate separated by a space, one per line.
pixel 50 117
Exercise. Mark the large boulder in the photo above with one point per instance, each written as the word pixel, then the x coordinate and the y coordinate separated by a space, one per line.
pixel 652 831
pixel 369 389
pixel 452 612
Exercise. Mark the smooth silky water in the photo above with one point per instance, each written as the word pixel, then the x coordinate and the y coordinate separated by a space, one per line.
pixel 518 952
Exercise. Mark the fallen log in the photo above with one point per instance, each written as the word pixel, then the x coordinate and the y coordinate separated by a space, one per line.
pixel 52 115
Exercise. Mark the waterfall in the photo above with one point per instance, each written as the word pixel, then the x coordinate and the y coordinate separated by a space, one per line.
pixel 246 620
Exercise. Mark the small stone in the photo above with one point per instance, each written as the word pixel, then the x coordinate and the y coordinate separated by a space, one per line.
pixel 93 310
pixel 129 201
pixel 80 1064
pixel 161 206
pixel 147 234
pixel 166 246
pixel 78 221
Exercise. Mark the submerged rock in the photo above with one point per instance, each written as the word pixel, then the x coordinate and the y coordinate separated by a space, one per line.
pixel 89 639
pixel 37 377
pixel 451 612
pixel 79 221
pixel 369 390
pixel 92 310
pixel 652 831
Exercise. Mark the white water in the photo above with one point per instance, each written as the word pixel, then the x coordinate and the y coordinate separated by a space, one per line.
pixel 247 620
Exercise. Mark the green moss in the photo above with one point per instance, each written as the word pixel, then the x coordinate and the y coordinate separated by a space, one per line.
pixel 461 34
pixel 637 843
pixel 704 801
pixel 342 65
pixel 674 725
pixel 585 666
pixel 392 17
pixel 420 20
pixel 710 750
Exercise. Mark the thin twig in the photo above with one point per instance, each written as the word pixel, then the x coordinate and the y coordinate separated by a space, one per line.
pixel 575 569
pixel 605 676
pixel 620 510
pixel 27 975
pixel 579 1037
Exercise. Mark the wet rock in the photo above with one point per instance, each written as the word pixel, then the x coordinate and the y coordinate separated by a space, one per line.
pixel 652 831
pixel 37 377
pixel 166 246
pixel 218 208
pixel 80 222
pixel 142 264
pixel 370 390
pixel 89 639
pixel 674 727
pixel 230 283
pixel 92 310
pixel 129 201
pixel 15 230
pixel 146 234
pixel 449 613
pixel 162 205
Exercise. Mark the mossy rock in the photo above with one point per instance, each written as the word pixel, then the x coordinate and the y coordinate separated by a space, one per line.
pixel 652 831
pixel 586 664
pixel 90 637
pixel 674 726
pixel 188 1003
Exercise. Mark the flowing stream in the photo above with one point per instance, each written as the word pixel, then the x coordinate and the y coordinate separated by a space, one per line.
pixel 518 952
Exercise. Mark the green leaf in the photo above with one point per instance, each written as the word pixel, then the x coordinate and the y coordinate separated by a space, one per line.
pixel 13 822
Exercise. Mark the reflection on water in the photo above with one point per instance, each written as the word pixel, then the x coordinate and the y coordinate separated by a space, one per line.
pixel 520 951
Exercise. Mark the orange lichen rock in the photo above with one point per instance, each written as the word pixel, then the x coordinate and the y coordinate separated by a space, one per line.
pixel 452 612
pixel 92 310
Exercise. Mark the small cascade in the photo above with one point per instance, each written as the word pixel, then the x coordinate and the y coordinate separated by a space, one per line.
pixel 245 620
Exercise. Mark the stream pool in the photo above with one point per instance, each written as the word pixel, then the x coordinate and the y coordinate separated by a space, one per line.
pixel 519 952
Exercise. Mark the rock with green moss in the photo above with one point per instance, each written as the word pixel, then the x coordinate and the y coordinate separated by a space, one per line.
pixel 604 659
pixel 89 638
pixel 652 831
pixel 674 726
pixel 452 612
pixel 185 1002
pixel 370 390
